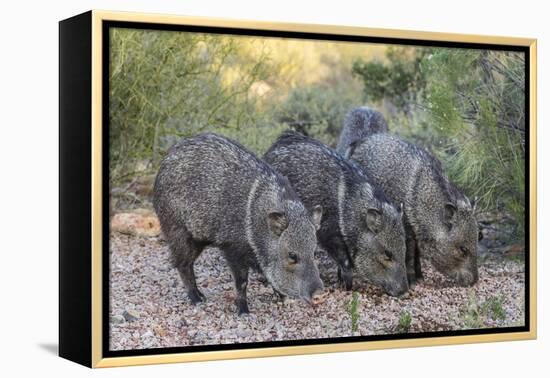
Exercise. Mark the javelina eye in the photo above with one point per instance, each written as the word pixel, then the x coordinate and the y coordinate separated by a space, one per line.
pixel 464 251
pixel 389 255
pixel 293 258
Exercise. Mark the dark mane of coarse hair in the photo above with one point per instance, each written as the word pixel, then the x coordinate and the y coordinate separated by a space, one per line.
pixel 290 137
pixel 438 173
pixel 264 168
pixel 430 161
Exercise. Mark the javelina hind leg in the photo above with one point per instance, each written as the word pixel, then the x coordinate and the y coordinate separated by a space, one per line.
pixel 239 269
pixel 184 253
pixel 187 275
pixel 410 254
pixel 409 261
pixel 417 264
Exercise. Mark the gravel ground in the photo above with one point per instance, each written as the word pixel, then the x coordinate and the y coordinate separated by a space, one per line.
pixel 150 309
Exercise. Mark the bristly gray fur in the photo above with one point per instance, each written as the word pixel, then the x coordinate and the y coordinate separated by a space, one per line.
pixel 211 191
pixel 360 228
pixel 359 123
pixel 439 219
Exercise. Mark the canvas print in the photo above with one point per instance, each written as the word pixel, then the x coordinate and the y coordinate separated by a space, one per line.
pixel 269 189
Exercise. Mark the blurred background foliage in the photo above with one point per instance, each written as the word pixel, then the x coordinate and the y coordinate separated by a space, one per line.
pixel 466 106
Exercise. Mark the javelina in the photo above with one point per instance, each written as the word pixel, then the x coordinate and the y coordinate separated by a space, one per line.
pixel 211 191
pixel 360 229
pixel 439 219
pixel 359 123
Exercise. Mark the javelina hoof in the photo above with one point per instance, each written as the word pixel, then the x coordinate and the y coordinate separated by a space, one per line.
pixel 263 280
pixel 412 280
pixel 242 307
pixel 196 296
pixel 279 297
pixel 415 279
pixel 418 273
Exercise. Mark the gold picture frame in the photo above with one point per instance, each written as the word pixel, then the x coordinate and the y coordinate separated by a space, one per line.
pixel 92 25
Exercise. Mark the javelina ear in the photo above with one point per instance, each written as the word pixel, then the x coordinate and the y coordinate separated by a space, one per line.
pixel 374 220
pixel 351 149
pixel 450 211
pixel 347 153
pixel 400 209
pixel 317 214
pixel 277 222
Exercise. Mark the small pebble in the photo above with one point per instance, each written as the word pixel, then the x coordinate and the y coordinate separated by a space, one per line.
pixel 117 319
pixel 131 315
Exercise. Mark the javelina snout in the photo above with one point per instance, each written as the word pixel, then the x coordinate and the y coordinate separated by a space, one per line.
pixel 314 288
pixel 312 293
pixel 397 289
pixel 467 274
pixel 294 272
pixel 382 257
pixel 455 248
pixel 467 278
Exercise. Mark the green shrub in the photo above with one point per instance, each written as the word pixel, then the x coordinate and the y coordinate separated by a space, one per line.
pixel 318 111
pixel 476 314
pixel 353 310
pixel 397 79
pixel 404 325
pixel 167 85
pixel 495 309
pixel 477 106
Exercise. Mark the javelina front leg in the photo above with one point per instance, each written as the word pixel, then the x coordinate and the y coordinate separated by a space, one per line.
pixel 345 278
pixel 337 250
pixel 410 259
pixel 239 270
pixel 241 282
pixel 417 264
